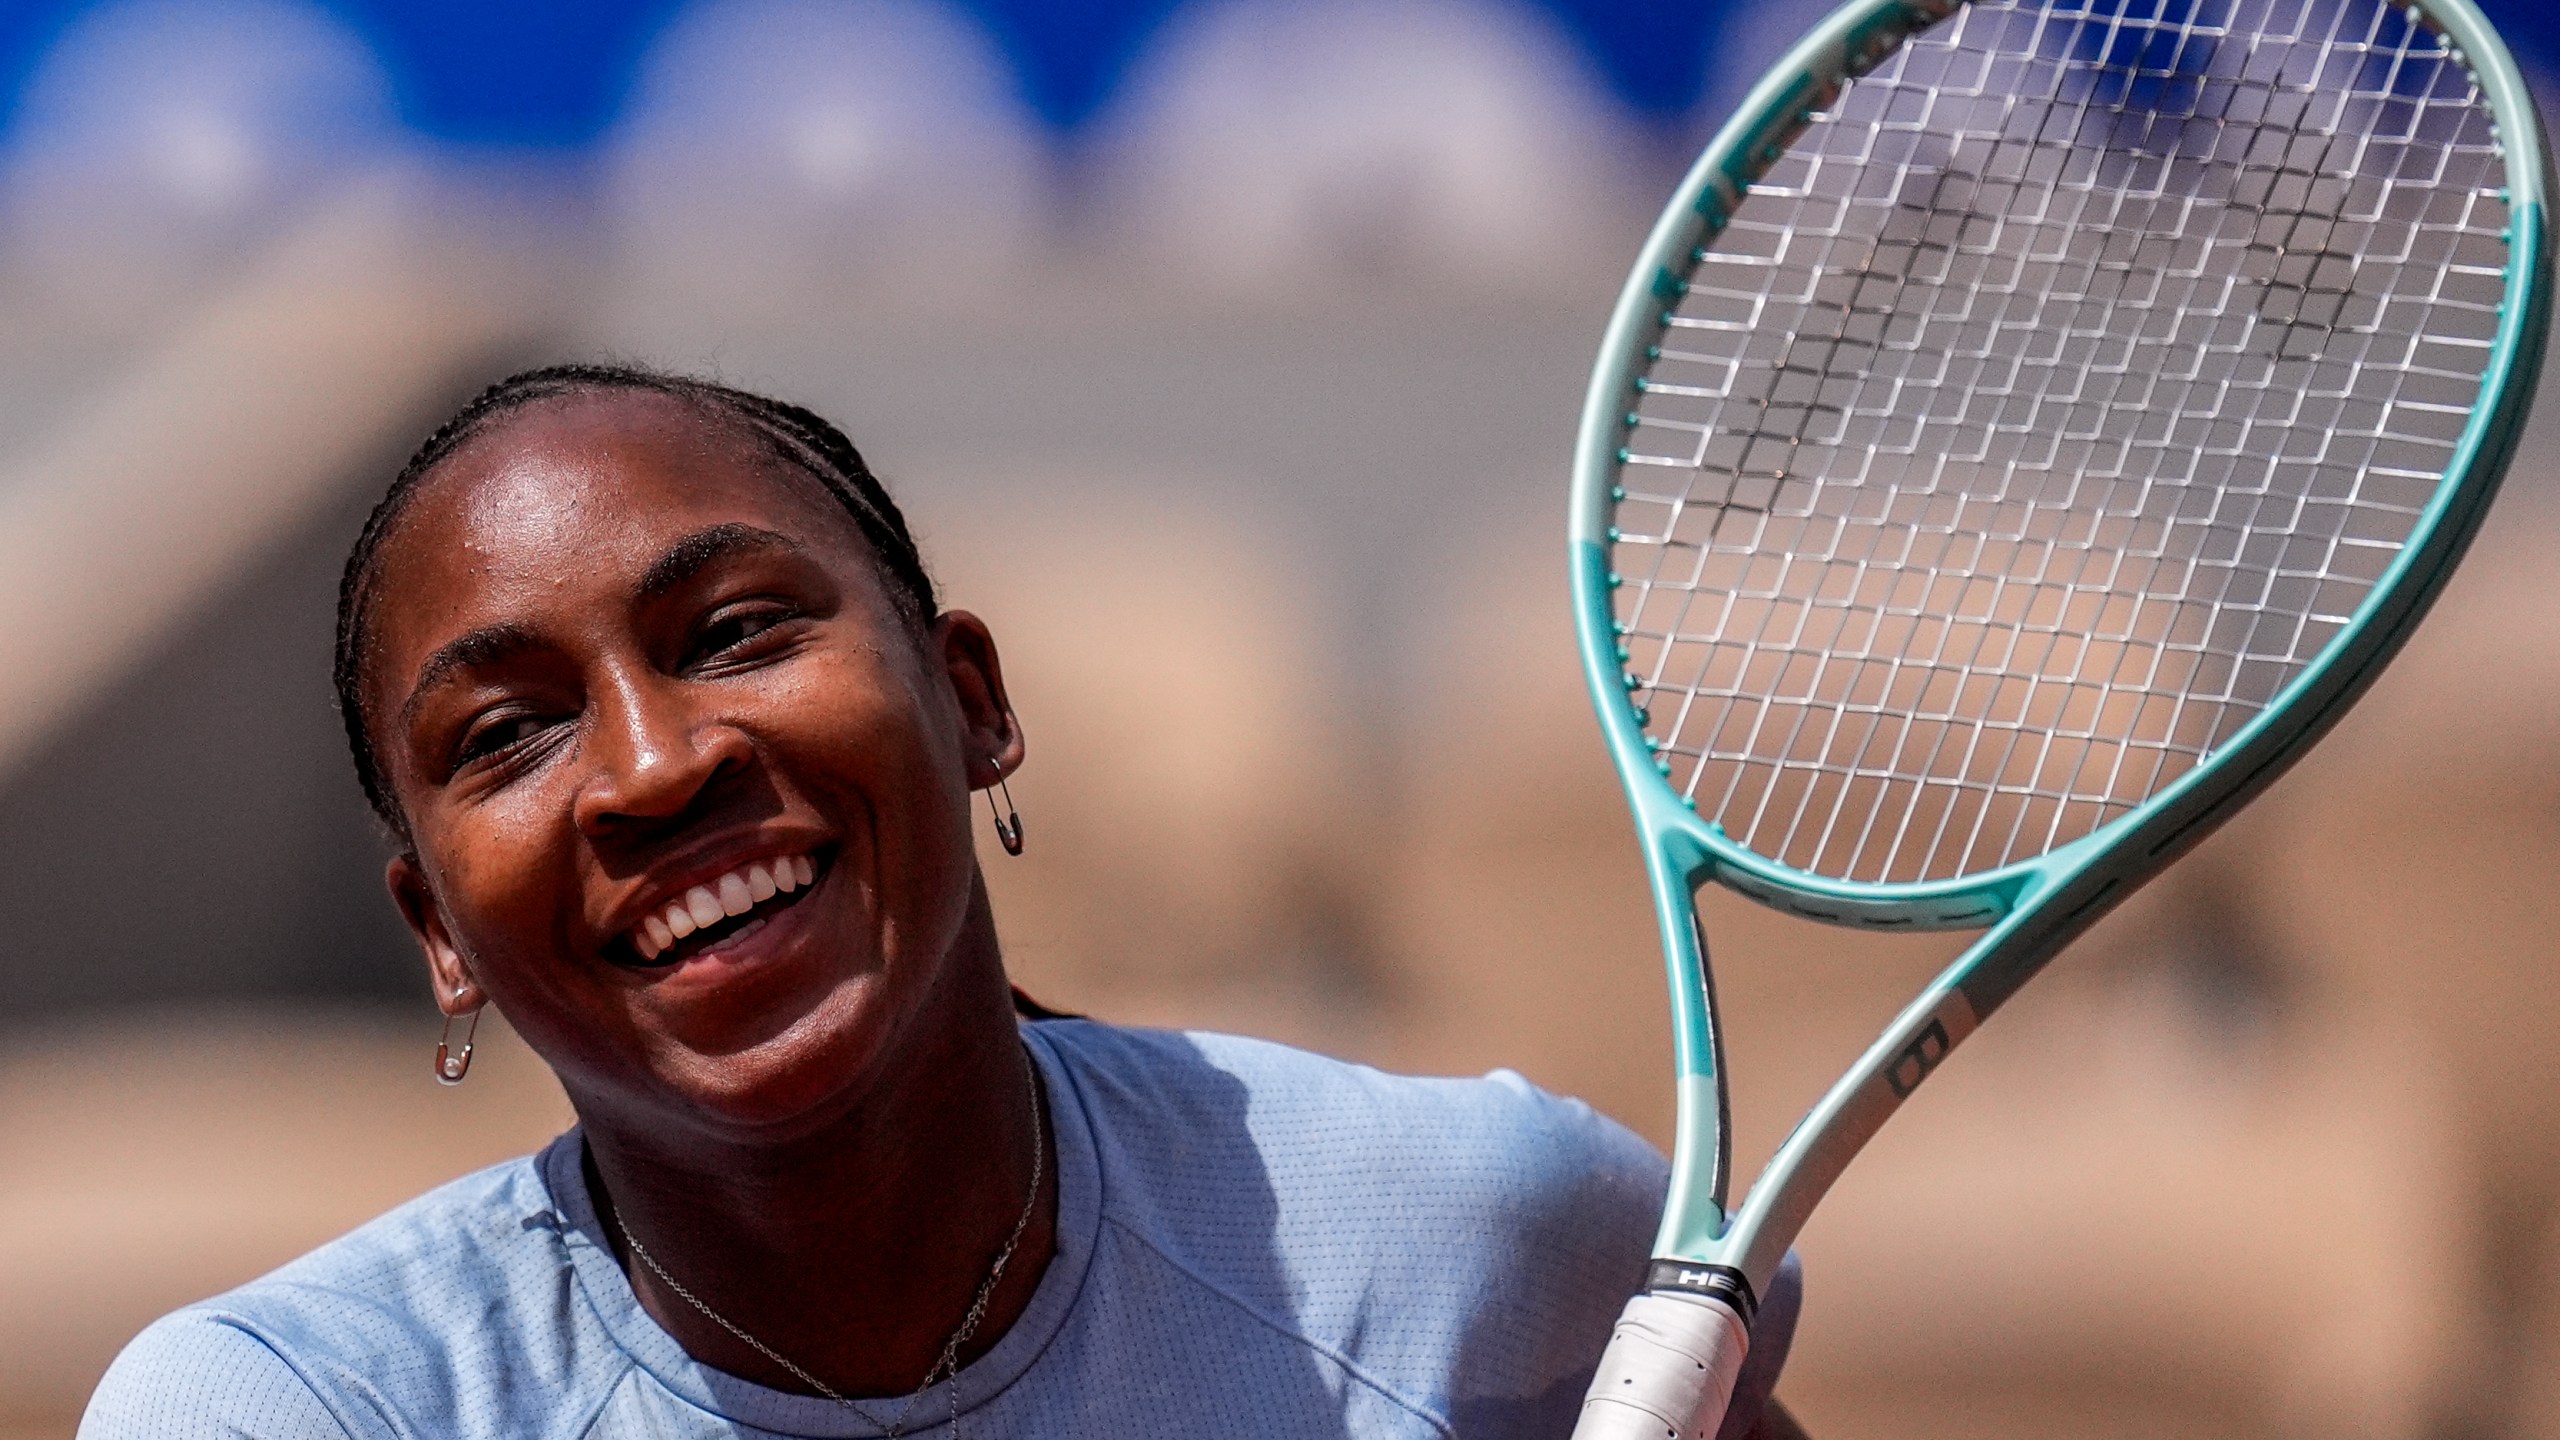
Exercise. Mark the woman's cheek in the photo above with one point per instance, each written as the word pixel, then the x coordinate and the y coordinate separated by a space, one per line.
pixel 510 886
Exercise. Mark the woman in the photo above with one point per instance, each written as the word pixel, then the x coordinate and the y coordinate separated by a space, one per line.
pixel 651 689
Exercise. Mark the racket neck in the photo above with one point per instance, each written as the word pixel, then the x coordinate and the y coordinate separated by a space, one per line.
pixel 1693 1218
pixel 2059 905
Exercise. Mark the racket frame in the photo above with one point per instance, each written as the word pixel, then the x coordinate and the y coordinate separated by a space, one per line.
pixel 2032 907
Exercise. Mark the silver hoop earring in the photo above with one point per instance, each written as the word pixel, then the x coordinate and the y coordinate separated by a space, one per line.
pixel 451 1064
pixel 1009 822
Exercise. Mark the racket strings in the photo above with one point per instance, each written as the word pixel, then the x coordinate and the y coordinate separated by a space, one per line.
pixel 2049 405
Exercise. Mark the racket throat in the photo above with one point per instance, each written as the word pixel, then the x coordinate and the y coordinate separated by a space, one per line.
pixel 1722 1175
pixel 1694 1219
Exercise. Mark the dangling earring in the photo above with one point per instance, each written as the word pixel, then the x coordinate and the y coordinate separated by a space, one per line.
pixel 1008 823
pixel 452 1065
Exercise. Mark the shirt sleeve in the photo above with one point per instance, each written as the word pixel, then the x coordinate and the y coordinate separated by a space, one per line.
pixel 195 1376
pixel 1580 1248
pixel 1570 1200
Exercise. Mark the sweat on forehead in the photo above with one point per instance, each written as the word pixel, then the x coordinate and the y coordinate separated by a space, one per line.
pixel 600 407
pixel 577 483
pixel 601 422
pixel 521 472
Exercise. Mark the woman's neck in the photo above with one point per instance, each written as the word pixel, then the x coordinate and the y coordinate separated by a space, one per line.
pixel 853 1250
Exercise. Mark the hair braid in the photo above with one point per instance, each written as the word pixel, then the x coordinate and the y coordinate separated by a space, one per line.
pixel 800 437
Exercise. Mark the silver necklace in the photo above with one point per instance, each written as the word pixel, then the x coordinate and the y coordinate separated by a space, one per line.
pixel 947 1365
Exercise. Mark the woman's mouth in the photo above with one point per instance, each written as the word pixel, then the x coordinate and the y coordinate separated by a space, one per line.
pixel 720 909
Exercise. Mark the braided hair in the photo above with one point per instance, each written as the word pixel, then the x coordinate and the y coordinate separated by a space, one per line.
pixel 797 436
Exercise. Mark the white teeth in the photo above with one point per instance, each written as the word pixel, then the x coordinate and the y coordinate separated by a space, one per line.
pixel 709 903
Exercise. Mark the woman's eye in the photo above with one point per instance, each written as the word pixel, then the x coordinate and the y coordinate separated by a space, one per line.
pixel 503 733
pixel 732 631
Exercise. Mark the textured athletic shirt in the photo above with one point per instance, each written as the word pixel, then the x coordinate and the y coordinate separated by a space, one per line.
pixel 1252 1241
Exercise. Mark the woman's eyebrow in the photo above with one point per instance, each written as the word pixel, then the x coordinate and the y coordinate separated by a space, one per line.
pixel 682 561
pixel 689 556
pixel 485 646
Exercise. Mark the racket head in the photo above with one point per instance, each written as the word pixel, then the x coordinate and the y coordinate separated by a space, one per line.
pixel 2222 758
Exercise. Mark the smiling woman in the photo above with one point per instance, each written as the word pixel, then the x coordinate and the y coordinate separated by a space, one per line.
pixel 653 693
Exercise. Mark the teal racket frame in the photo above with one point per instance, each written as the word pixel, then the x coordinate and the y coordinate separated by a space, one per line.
pixel 2029 909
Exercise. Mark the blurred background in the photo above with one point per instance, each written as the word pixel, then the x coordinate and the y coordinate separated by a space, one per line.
pixel 1227 354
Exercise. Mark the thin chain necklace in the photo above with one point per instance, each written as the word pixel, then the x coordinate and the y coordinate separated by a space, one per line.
pixel 947 1365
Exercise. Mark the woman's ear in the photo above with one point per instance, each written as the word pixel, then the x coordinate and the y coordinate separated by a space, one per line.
pixel 992 734
pixel 456 992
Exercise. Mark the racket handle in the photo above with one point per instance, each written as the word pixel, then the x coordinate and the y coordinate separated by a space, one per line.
pixel 1668 1372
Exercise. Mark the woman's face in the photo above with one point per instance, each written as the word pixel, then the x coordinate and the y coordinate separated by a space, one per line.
pixel 633 676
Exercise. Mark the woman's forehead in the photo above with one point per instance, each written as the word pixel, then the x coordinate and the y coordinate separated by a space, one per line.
pixel 570 494
pixel 590 468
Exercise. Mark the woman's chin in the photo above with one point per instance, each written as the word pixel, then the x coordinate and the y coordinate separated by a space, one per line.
pixel 770 1068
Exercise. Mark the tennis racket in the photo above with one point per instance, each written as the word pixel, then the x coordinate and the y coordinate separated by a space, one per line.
pixel 2027 430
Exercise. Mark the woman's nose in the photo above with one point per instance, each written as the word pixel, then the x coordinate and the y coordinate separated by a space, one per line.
pixel 652 755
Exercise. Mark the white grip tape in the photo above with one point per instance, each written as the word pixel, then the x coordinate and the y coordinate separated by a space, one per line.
pixel 1668 1372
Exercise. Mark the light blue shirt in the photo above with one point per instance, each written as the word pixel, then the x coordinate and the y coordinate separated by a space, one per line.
pixel 1251 1241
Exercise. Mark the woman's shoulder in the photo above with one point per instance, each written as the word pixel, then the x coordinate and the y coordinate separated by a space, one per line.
pixel 1278 1100
pixel 1454 1238
pixel 421 1289
pixel 1208 1128
pixel 453 1241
